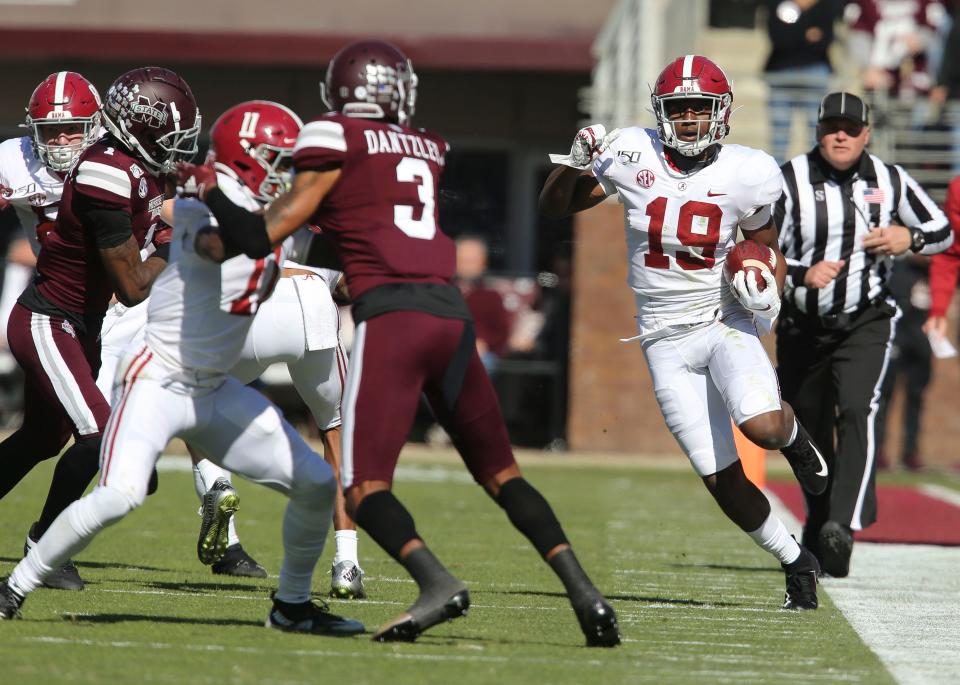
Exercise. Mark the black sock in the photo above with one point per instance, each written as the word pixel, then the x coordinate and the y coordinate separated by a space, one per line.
pixel 574 578
pixel 427 570
pixel 19 454
pixel 387 521
pixel 530 513
pixel 76 469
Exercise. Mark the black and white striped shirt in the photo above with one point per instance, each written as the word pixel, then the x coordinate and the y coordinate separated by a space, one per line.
pixel 821 217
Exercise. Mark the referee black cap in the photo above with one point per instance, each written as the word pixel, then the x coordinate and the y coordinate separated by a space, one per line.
pixel 844 105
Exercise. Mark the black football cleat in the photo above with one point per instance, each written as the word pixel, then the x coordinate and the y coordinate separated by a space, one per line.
pixel 64 578
pixel 598 621
pixel 219 504
pixel 408 626
pixel 836 546
pixel 10 602
pixel 802 576
pixel 807 463
pixel 309 618
pixel 236 562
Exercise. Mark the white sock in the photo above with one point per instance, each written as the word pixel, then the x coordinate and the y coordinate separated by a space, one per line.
pixel 205 474
pixel 305 525
pixel 72 530
pixel 773 537
pixel 232 537
pixel 346 546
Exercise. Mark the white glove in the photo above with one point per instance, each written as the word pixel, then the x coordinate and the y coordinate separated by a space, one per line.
pixel 763 303
pixel 588 144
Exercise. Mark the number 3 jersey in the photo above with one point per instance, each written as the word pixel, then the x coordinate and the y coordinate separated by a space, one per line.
pixel 200 311
pixel 679 227
pixel 382 211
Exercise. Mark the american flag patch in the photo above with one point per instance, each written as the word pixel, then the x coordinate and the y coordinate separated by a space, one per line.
pixel 873 196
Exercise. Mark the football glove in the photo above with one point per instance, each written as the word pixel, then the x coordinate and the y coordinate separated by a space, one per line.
pixel 762 303
pixel 195 179
pixel 4 194
pixel 588 144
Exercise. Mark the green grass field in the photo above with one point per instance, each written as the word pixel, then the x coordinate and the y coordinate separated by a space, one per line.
pixel 697 601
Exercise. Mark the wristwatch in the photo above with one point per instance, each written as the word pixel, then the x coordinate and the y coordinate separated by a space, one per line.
pixel 917 240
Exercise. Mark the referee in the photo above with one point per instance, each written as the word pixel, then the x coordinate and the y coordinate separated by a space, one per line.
pixel 844 215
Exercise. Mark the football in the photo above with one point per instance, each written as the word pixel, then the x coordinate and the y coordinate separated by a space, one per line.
pixel 752 257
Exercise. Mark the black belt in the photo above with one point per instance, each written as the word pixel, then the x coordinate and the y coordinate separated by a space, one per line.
pixel 842 320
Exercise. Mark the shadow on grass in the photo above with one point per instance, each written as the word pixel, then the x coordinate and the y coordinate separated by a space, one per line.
pixel 102 564
pixel 618 598
pixel 731 567
pixel 211 586
pixel 139 618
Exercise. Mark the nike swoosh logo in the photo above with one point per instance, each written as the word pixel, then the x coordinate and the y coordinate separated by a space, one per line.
pixel 710 193
pixel 823 465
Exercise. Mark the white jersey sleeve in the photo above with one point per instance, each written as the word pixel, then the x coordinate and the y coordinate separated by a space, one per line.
pixel 601 165
pixel 34 191
pixel 760 181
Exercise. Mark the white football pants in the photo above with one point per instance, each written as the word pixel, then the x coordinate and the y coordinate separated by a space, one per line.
pixel 704 376
pixel 236 426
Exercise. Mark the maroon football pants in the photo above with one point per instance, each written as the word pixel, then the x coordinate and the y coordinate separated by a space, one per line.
pixel 398 356
pixel 61 396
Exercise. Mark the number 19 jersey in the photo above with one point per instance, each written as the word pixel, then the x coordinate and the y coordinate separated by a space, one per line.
pixel 680 226
pixel 382 211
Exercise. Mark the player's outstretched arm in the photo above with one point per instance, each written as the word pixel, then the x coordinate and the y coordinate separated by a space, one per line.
pixel 568 191
pixel 253 234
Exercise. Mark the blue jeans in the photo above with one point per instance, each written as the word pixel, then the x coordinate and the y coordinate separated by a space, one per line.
pixel 801 89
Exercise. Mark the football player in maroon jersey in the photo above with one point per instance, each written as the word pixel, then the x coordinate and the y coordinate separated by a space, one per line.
pixel 369 181
pixel 110 210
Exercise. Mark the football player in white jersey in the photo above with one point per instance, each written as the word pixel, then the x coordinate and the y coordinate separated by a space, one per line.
pixel 251 147
pixel 177 384
pixel 685 195
pixel 63 119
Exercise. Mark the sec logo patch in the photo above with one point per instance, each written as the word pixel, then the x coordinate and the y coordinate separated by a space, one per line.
pixel 645 178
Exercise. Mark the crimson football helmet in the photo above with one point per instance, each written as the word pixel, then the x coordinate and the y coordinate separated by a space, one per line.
pixel 63 98
pixel 371 79
pixel 255 141
pixel 688 78
pixel 152 112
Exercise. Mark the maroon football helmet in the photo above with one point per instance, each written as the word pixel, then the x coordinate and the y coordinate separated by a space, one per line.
pixel 692 77
pixel 152 112
pixel 62 99
pixel 255 141
pixel 371 79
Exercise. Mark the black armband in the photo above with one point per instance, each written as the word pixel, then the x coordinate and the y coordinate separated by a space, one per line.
pixel 162 251
pixel 240 230
pixel 111 227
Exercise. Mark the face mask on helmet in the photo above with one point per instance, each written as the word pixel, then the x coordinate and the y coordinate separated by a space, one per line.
pixel 372 80
pixel 64 119
pixel 691 102
pixel 152 112
pixel 691 124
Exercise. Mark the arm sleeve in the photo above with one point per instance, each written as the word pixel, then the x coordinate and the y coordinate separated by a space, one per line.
pixel 945 267
pixel 111 226
pixel 321 145
pixel 240 230
pixel 917 210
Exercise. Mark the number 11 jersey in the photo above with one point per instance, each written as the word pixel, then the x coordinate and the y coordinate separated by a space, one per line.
pixel 680 226
pixel 382 211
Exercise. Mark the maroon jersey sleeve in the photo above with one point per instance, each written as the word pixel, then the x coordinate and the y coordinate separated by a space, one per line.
pixel 103 176
pixel 321 143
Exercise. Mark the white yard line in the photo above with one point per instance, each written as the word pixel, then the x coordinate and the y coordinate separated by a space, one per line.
pixel 904 602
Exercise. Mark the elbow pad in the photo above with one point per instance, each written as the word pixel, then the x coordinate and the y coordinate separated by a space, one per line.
pixel 241 231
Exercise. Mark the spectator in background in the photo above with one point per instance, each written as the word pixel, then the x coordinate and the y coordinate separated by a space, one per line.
pixel 947 88
pixel 490 317
pixel 911 359
pixel 944 269
pixel 890 39
pixel 798 68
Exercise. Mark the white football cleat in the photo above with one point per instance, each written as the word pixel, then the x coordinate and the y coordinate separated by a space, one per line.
pixel 346 581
